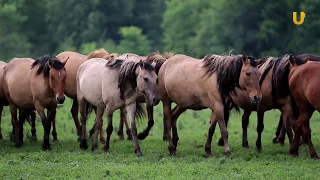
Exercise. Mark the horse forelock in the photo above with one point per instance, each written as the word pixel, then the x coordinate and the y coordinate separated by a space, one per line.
pixel 156 59
pixel 127 72
pixel 44 66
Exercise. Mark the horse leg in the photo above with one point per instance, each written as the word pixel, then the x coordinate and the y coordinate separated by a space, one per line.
pixel 15 124
pixel 102 139
pixel 219 113
pixel 109 131
pixel 167 120
pixel 99 127
pixel 245 122
pixel 22 118
pixel 46 125
pixel 279 130
pixel 213 123
pixel 83 118
pixel 74 112
pixel 226 118
pixel 174 117
pixel 307 136
pixel 99 114
pixel 145 132
pixel 1 109
pixel 54 130
pixel 260 127
pixel 128 131
pixel 131 109
pixel 165 133
pixel 122 119
pixel 32 115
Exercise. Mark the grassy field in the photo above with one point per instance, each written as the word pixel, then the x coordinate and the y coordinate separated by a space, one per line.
pixel 67 161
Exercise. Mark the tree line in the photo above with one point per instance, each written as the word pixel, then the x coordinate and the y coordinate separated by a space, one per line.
pixel 31 28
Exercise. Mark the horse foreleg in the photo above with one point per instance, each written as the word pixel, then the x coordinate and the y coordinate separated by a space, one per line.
pixel 245 123
pixel 145 132
pixel 128 131
pixel 279 131
pixel 211 130
pixel 260 127
pixel 54 129
pixel 98 122
pixel 109 130
pixel 32 115
pixel 122 120
pixel 102 139
pixel 15 124
pixel 131 109
pixel 46 125
pixel 83 119
pixel 74 112
pixel 167 121
pixel 174 117
pixel 220 117
pixel 1 109
pixel 165 133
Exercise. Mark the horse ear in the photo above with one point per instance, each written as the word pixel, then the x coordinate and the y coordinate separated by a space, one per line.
pixel 65 61
pixel 141 64
pixel 292 60
pixel 245 58
pixel 306 59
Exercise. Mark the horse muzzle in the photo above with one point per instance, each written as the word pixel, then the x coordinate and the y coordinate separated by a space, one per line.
pixel 60 100
pixel 154 101
pixel 255 99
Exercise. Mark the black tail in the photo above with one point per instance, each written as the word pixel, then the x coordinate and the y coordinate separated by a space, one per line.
pixel 89 108
pixel 294 107
pixel 27 116
pixel 140 112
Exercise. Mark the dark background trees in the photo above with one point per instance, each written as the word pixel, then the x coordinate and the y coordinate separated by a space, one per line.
pixel 31 28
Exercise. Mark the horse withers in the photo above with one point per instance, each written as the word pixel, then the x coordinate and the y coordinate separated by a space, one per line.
pixel 39 85
pixel 199 84
pixel 111 85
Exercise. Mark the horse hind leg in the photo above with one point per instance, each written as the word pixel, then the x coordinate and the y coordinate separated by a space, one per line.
pixel 213 123
pixel 83 118
pixel 74 112
pixel 174 117
pixel 122 119
pixel 33 125
pixel 279 131
pixel 219 113
pixel 99 114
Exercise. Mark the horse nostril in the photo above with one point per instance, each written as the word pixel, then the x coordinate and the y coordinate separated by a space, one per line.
pixel 57 98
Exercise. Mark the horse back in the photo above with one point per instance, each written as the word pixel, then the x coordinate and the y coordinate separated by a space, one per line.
pixel 74 62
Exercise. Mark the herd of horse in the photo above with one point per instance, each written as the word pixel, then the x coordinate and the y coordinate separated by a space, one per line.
pixel 104 82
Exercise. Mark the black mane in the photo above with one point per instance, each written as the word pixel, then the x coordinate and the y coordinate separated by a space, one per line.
pixel 44 64
pixel 312 57
pixel 280 73
pixel 127 72
pixel 267 68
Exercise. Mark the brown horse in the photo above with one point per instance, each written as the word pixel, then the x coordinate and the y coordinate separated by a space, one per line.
pixel 74 62
pixel 303 83
pixel 38 85
pixel 280 129
pixel 199 84
pixel 110 85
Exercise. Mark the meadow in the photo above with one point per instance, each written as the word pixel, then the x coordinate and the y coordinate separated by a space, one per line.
pixel 67 161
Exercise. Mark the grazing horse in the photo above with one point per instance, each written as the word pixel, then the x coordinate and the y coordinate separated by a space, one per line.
pixel 156 60
pixel 38 85
pixel 199 84
pixel 110 85
pixel 275 94
pixel 303 83
pixel 74 62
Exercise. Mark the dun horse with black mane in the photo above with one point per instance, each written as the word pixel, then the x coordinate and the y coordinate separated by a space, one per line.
pixel 200 84
pixel 111 85
pixel 38 85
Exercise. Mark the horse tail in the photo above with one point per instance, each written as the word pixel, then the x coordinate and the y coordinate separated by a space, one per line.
pixel 89 108
pixel 140 112
pixel 295 109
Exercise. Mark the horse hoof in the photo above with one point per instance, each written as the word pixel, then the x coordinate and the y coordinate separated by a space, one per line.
pixel 259 150
pixel 102 140
pixel 83 145
pixel 208 155
pixel 172 154
pixel 46 147
pixel 121 138
pixel 228 153
pixel 105 149
pixel 1 137
pixel 314 156
pixel 275 140
pixel 245 145
pixel 164 138
pixel 55 140
pixel 139 154
pixel 141 136
pixel 220 142
pixel 34 138
pixel 94 148
pixel 18 145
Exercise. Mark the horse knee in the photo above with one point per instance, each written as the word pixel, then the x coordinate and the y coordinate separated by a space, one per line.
pixel 150 123
pixel 224 133
pixel 109 129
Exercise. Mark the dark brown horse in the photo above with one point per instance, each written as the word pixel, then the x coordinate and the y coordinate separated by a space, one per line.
pixel 303 83
pixel 199 84
pixel 34 85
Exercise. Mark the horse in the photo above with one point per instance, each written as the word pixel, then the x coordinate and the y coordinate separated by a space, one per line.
pixel 280 129
pixel 305 95
pixel 205 83
pixel 74 62
pixel 29 85
pixel 275 92
pixel 110 85
pixel 156 59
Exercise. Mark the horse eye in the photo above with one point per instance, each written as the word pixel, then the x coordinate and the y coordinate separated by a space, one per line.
pixel 52 77
pixel 146 79
pixel 248 73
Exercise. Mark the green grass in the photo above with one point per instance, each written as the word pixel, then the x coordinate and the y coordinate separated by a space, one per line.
pixel 67 161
